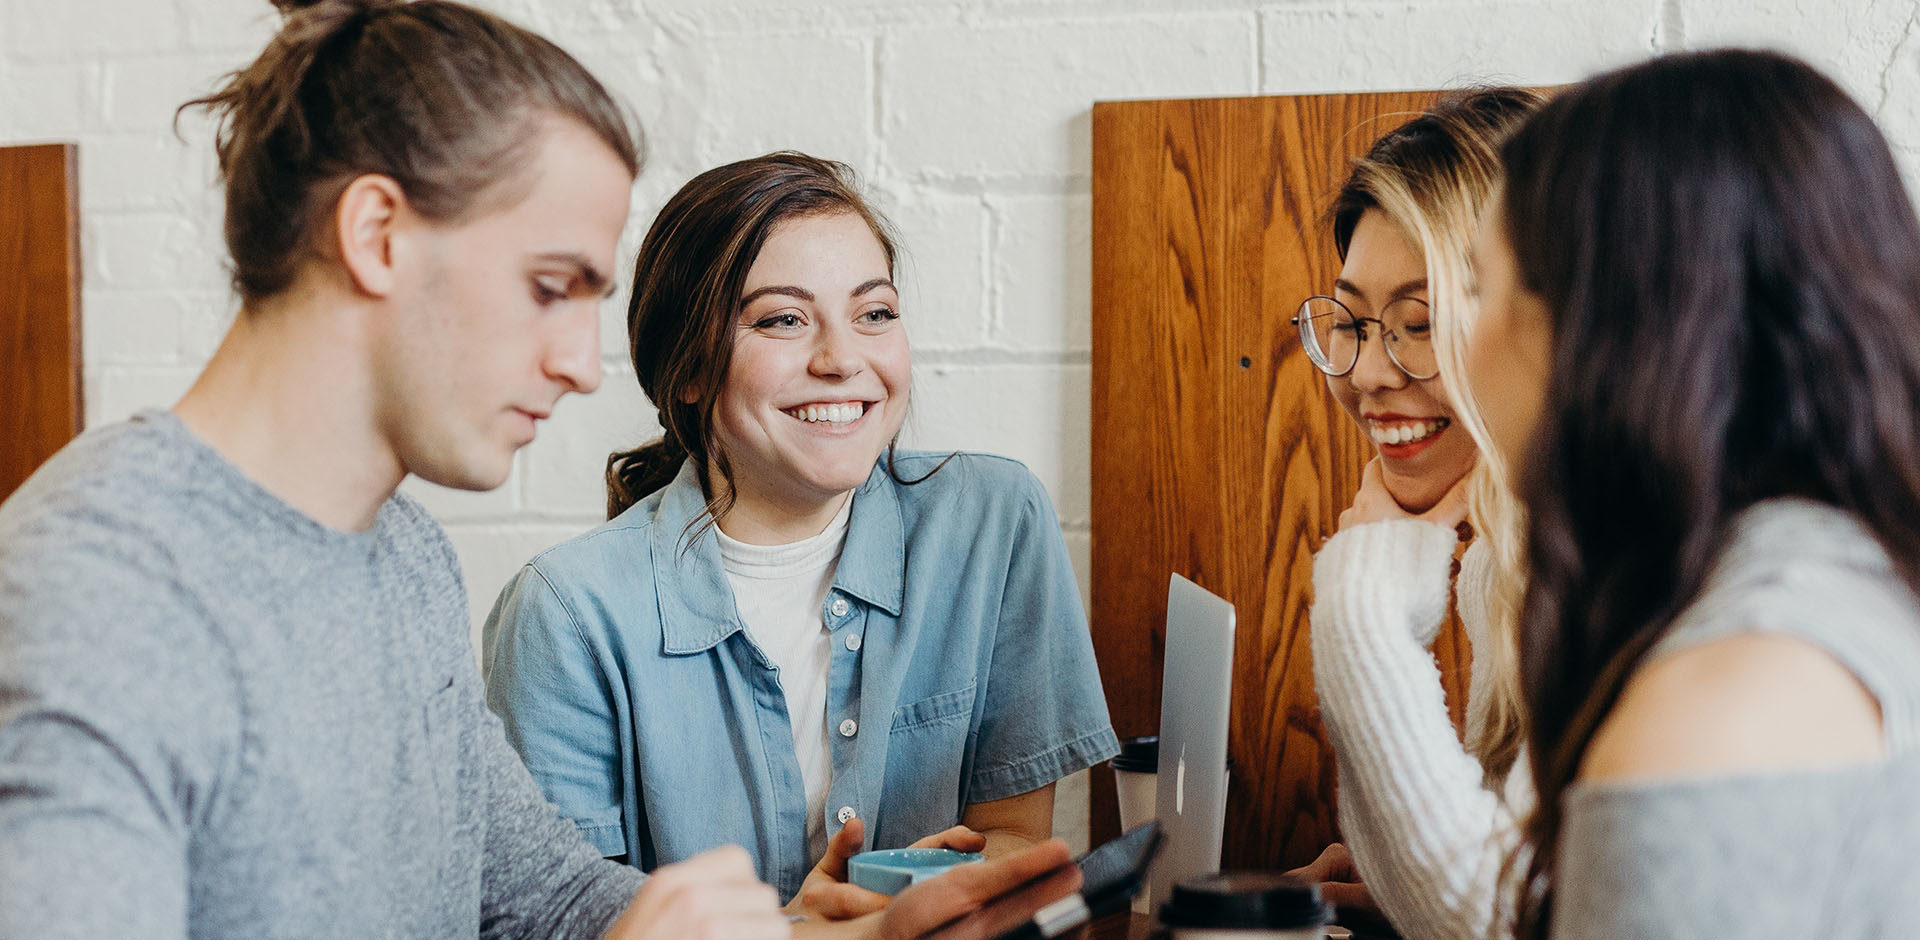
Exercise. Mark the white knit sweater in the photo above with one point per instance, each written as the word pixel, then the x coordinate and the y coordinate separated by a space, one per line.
pixel 1426 834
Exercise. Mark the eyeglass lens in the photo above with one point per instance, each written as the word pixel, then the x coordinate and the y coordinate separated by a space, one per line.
pixel 1333 335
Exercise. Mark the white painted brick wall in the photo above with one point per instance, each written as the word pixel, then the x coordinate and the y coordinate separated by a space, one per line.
pixel 1392 45
pixel 942 266
pixel 1035 412
pixel 1042 273
pixel 1010 99
pixel 967 118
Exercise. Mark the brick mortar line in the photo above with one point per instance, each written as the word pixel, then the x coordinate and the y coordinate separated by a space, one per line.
pixel 1002 357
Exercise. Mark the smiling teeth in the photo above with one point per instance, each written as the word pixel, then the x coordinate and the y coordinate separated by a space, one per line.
pixel 829 414
pixel 1406 432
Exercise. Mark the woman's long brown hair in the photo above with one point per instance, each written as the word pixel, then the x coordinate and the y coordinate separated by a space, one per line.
pixel 1732 268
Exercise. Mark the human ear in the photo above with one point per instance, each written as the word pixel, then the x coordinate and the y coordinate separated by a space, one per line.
pixel 364 227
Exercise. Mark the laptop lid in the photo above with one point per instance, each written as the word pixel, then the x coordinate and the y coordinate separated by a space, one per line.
pixel 1195 692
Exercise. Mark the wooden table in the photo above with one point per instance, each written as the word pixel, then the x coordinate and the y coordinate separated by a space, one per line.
pixel 1123 926
pixel 1131 926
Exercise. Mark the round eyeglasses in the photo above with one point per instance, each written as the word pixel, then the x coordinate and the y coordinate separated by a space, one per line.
pixel 1333 336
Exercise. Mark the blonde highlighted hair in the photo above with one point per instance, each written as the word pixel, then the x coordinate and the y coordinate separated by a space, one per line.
pixel 1433 177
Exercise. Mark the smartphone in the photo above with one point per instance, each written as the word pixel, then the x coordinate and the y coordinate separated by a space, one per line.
pixel 1109 878
pixel 1114 873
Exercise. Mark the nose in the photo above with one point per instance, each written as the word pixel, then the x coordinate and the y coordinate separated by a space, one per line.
pixel 1374 371
pixel 834 355
pixel 573 354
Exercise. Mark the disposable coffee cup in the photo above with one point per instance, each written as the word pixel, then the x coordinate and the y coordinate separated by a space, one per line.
pixel 1134 773
pixel 1246 905
pixel 1135 770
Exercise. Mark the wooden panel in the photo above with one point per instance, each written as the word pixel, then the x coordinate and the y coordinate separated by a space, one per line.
pixel 1217 451
pixel 40 408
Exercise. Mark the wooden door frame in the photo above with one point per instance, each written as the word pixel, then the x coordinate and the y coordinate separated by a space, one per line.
pixel 41 395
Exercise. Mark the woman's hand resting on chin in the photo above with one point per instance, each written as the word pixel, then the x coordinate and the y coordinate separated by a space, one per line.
pixel 1374 504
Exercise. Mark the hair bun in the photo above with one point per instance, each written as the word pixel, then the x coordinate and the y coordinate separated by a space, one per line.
pixel 291 7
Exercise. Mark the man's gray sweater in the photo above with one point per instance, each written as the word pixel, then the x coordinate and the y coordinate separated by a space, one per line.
pixel 219 718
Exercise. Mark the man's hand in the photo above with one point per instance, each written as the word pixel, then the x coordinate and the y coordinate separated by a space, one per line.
pixel 711 896
pixel 971 902
pixel 970 899
pixel 1340 883
pixel 826 893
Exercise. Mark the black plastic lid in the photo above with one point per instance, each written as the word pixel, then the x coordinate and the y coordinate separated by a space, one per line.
pixel 1139 755
pixel 1246 900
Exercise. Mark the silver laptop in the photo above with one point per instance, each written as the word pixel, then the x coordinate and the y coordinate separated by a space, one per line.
pixel 1191 787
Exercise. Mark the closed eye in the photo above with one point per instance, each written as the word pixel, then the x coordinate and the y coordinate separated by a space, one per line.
pixel 547 292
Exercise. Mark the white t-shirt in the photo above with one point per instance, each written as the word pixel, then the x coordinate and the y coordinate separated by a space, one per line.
pixel 781 591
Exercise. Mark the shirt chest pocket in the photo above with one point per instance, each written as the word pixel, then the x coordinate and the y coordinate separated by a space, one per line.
pixel 926 758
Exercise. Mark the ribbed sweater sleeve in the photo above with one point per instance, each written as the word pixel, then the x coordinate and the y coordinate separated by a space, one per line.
pixel 1426 835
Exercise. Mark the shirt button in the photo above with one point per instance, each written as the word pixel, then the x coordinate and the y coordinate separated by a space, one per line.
pixel 838 607
pixel 853 642
pixel 845 813
pixel 848 728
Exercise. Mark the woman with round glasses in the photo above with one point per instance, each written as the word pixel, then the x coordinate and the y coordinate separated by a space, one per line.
pixel 1395 394
pixel 1428 818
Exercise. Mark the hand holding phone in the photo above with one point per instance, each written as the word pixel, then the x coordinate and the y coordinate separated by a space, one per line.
pixel 983 900
pixel 1109 877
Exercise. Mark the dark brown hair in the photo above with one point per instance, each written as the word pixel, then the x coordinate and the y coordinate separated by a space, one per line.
pixel 439 96
pixel 1732 268
pixel 687 284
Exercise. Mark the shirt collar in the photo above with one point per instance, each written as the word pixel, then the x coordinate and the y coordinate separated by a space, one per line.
pixel 696 603
pixel 697 608
pixel 873 566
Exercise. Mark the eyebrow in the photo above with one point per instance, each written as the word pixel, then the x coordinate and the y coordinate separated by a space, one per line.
pixel 595 279
pixel 801 293
pixel 1417 284
pixel 783 290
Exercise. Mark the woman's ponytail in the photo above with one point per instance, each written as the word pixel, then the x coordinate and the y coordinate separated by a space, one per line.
pixel 632 474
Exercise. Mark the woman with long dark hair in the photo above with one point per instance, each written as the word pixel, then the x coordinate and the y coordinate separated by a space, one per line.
pixel 1701 299
pixel 789 634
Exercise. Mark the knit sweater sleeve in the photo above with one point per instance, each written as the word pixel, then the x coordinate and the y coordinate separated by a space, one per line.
pixel 1427 835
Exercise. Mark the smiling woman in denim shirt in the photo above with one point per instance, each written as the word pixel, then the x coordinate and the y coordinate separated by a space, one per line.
pixel 787 625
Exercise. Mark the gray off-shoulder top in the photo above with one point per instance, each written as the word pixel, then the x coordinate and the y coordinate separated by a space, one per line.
pixel 1829 854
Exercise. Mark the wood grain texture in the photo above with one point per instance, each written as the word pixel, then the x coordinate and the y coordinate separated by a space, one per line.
pixel 1217 451
pixel 40 405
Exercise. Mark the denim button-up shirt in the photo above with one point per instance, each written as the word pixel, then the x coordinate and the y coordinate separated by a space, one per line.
pixel 960 662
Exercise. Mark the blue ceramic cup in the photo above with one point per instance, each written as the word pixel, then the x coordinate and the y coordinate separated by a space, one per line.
pixel 890 871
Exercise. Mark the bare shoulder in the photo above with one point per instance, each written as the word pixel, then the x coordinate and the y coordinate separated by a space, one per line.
pixel 1751 703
